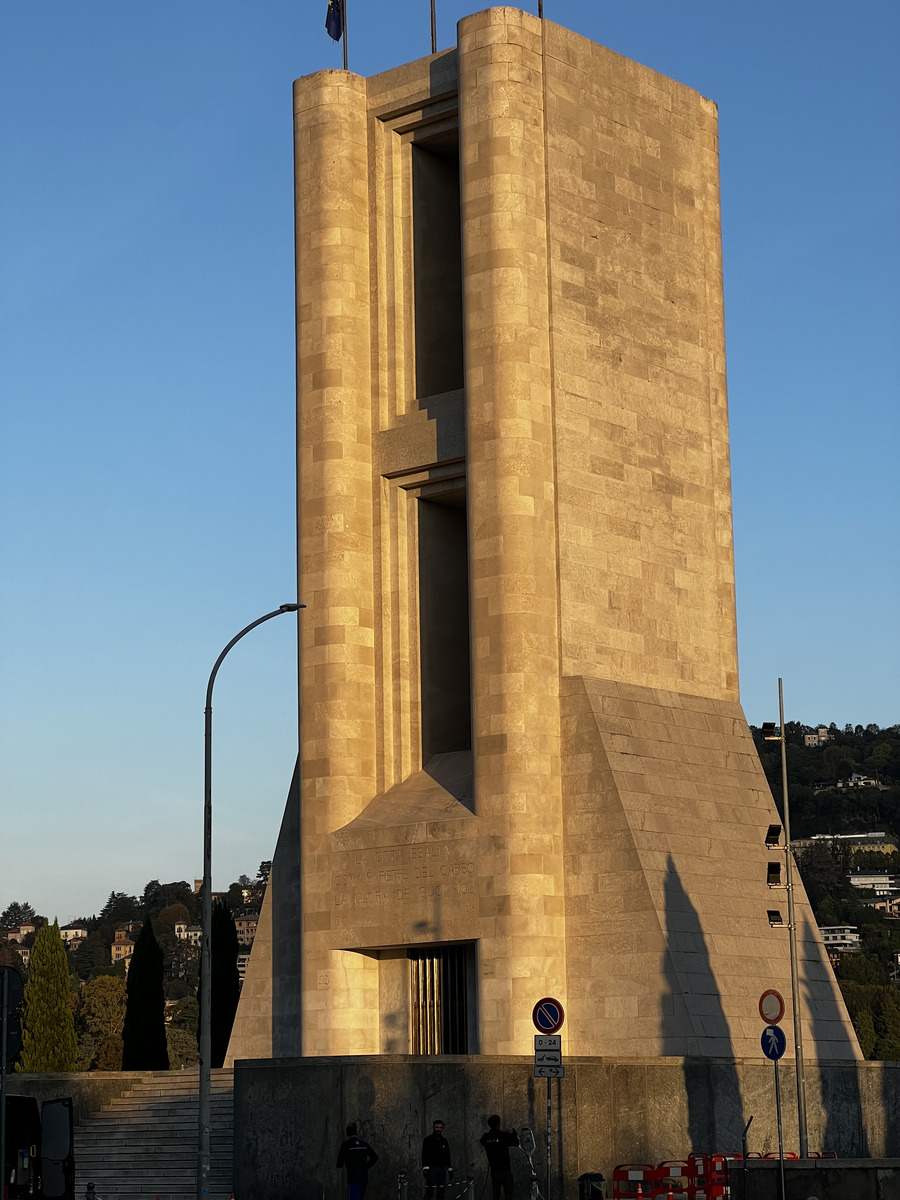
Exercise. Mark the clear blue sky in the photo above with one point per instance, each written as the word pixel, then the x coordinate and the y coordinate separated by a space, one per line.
pixel 146 366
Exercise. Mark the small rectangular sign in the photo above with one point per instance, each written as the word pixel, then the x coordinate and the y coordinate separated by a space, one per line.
pixel 548 1058
pixel 547 1041
pixel 548 1072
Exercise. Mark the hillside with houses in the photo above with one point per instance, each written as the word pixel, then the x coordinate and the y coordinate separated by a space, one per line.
pixel 99 952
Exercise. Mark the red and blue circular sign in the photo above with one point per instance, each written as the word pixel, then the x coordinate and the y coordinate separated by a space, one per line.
pixel 548 1015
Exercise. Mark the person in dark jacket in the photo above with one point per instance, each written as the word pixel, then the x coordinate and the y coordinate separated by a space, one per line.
pixel 436 1161
pixel 356 1156
pixel 496 1144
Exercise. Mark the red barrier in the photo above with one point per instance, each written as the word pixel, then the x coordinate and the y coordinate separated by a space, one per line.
pixel 698 1169
pixel 628 1177
pixel 672 1179
pixel 717 1178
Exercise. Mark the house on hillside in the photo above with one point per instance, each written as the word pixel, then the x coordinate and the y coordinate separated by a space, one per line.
pixel 122 947
pixel 840 939
pixel 819 738
pixel 73 934
pixel 245 928
pixel 20 932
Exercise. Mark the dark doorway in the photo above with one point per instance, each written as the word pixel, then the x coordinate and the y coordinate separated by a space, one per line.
pixel 439 999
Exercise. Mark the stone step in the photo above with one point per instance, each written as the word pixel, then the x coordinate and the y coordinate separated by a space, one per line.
pixel 144 1143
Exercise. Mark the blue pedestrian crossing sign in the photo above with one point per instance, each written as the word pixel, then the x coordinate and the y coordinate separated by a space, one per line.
pixel 773 1042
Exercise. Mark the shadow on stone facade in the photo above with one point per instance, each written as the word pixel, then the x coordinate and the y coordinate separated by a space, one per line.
pixel 715 1113
pixel 287 930
pixel 839 1084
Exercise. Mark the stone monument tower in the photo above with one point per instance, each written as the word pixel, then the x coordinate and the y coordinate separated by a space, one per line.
pixel 524 769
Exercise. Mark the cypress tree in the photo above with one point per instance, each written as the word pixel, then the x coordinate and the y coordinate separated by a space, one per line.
pixel 48 1035
pixel 225 984
pixel 144 1032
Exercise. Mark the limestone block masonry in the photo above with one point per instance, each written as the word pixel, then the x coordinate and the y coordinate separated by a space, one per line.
pixel 520 735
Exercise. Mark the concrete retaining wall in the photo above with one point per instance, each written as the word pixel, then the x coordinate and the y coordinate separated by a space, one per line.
pixel 89 1090
pixel 290 1115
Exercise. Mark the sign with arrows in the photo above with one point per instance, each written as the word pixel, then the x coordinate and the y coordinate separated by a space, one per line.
pixel 548 1056
pixel 549 1072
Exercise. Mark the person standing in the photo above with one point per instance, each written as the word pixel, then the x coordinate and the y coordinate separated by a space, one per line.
pixel 436 1161
pixel 356 1156
pixel 496 1144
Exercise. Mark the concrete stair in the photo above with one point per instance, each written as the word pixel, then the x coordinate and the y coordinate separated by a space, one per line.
pixel 144 1144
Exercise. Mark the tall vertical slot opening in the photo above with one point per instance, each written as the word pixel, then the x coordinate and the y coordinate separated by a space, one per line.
pixel 440 1001
pixel 444 626
pixel 437 264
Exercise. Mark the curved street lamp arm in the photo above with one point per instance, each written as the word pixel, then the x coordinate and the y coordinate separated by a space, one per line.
pixel 284 608
pixel 203 1147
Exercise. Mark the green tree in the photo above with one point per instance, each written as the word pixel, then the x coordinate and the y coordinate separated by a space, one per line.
pixel 860 968
pixel 99 1017
pixel 16 914
pixel 10 957
pixel 144 1031
pixel 119 910
pixel 225 981
pixel 865 1032
pixel 48 1034
pixel 173 913
pixel 157 896
pixel 91 958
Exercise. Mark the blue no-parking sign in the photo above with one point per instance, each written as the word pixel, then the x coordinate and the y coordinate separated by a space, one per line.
pixel 548 1015
pixel 773 1042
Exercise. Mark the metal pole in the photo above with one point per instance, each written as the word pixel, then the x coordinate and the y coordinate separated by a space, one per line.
pixel 780 1132
pixel 745 1152
pixel 549 1140
pixel 541 9
pixel 433 30
pixel 344 39
pixel 203 1118
pixel 4 1001
pixel 792 938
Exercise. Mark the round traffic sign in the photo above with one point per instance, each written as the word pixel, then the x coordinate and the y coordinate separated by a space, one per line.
pixel 773 1042
pixel 771 1006
pixel 548 1015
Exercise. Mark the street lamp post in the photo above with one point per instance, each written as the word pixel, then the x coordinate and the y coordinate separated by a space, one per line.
pixel 771 735
pixel 203 1141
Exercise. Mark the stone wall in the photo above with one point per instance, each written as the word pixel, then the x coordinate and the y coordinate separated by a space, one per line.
pixel 290 1115
pixel 89 1090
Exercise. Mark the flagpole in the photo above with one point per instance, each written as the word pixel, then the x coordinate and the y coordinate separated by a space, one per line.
pixel 344 39
pixel 433 30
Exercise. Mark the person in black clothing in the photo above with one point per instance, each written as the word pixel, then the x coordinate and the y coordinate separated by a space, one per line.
pixel 496 1144
pixel 436 1161
pixel 356 1156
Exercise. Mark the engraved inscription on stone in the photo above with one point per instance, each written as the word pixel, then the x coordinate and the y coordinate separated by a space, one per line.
pixel 400 874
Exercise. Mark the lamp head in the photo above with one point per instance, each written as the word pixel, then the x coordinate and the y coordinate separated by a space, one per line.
pixel 773 835
pixel 290 607
pixel 770 732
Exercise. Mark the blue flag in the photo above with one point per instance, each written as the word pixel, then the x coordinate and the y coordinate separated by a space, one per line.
pixel 334 20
